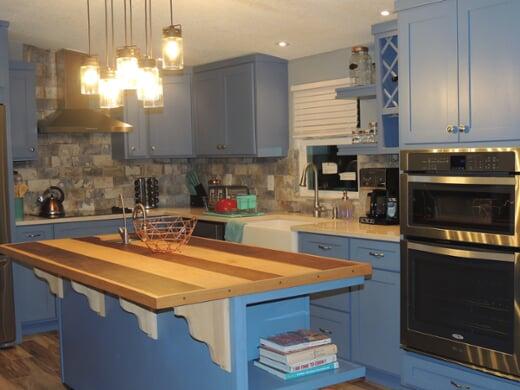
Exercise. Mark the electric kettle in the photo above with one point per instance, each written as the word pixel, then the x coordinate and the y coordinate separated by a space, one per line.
pixel 51 203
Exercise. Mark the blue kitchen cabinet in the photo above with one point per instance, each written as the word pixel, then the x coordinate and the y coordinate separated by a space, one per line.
pixel 336 324
pixel 159 132
pixel 4 62
pixel 24 133
pixel 241 107
pixel 35 306
pixel 90 228
pixel 458 72
pixel 170 128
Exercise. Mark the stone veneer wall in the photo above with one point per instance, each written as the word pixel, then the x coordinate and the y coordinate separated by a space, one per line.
pixel 82 165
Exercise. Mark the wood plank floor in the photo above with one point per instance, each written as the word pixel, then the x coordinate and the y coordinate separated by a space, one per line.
pixel 35 365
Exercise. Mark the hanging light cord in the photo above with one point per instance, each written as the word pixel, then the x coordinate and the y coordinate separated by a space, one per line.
pixel 88 25
pixel 171 12
pixel 131 24
pixel 126 29
pixel 106 33
pixel 112 21
pixel 146 26
pixel 150 16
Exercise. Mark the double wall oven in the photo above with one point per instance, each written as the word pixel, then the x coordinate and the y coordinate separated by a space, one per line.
pixel 460 286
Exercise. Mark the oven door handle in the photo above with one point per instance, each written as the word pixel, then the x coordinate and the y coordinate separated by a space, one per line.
pixel 462 180
pixel 463 253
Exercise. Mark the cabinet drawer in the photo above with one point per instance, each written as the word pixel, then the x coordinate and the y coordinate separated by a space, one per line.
pixel 33 233
pixel 336 299
pixel 323 245
pixel 336 324
pixel 92 228
pixel 382 255
pixel 430 374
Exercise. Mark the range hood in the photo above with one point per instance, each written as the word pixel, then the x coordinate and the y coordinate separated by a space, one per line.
pixel 74 113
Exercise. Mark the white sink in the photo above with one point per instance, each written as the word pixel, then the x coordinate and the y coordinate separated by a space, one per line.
pixel 273 234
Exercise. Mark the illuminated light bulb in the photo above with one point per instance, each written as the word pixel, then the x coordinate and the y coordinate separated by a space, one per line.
pixel 127 66
pixel 149 85
pixel 385 12
pixel 172 48
pixel 89 75
pixel 110 91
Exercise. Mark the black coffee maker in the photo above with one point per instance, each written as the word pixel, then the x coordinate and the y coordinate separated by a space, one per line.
pixel 382 202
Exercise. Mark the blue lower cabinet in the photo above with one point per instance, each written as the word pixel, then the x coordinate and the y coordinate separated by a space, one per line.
pixel 336 324
pixel 90 228
pixel 423 372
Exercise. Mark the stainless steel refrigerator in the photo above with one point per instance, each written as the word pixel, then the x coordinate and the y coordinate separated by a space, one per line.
pixel 7 320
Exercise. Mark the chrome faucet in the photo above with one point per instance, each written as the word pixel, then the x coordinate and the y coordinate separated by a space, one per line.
pixel 318 208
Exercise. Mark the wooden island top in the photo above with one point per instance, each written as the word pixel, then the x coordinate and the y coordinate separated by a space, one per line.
pixel 205 270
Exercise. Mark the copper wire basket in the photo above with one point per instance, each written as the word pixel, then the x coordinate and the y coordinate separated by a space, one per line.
pixel 163 234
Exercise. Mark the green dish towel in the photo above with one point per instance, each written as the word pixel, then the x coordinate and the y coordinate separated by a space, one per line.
pixel 234 231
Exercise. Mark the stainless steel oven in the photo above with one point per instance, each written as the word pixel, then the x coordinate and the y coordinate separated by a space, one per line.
pixel 460 272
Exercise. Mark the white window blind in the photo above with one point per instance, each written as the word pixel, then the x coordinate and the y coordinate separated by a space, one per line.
pixel 317 113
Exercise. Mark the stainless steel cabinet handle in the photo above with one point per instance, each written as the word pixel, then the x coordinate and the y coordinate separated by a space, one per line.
pixel 463 128
pixel 449 129
pixel 132 148
pixel 153 147
pixel 219 147
pixel 224 146
pixel 32 149
pixel 325 330
pixel 33 235
pixel 459 386
pixel 376 254
pixel 324 247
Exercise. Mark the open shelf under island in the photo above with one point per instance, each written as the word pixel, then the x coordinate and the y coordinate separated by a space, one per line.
pixel 132 319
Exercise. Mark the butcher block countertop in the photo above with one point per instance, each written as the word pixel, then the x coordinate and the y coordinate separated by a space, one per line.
pixel 205 270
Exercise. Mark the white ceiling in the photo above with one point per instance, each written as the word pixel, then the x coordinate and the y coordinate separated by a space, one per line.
pixel 213 29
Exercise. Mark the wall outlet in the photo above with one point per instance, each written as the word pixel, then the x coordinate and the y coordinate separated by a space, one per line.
pixel 228 179
pixel 270 182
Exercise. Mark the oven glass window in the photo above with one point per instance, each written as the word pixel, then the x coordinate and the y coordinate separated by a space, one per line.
pixel 478 208
pixel 466 300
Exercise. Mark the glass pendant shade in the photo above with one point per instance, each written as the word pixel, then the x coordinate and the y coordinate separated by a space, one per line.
pixel 172 48
pixel 89 74
pixel 149 85
pixel 127 66
pixel 110 91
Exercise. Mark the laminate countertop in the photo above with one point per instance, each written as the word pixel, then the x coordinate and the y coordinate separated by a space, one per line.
pixel 309 224
pixel 205 270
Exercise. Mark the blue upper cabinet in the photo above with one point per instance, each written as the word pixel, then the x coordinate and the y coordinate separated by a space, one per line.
pixel 241 107
pixel 170 129
pixel 24 133
pixel 458 72
pixel 489 70
pixel 4 62
pixel 160 132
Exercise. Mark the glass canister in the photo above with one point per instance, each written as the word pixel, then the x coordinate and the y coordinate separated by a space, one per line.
pixel 345 207
pixel 360 66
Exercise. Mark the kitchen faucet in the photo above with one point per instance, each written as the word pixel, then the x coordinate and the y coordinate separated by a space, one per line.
pixel 318 208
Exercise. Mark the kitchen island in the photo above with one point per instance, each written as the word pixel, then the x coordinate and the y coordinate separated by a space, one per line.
pixel 130 319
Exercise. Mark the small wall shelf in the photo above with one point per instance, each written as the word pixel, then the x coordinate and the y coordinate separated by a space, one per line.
pixel 357 92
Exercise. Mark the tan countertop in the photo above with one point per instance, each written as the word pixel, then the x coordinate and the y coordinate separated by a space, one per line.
pixel 322 226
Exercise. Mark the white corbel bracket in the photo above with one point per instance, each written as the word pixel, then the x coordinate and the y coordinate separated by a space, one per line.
pixel 55 283
pixel 96 299
pixel 146 319
pixel 209 322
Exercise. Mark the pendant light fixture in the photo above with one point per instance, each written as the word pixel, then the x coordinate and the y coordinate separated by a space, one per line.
pixel 172 45
pixel 89 72
pixel 149 84
pixel 110 92
pixel 127 59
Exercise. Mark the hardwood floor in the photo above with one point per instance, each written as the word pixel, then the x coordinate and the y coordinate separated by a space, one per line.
pixel 35 365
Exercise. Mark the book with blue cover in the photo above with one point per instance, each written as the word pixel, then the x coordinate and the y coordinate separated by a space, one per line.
pixel 297 374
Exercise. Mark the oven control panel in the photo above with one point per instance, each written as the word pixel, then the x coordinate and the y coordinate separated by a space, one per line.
pixel 462 162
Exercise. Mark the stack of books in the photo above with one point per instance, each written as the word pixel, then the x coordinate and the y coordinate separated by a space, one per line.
pixel 297 354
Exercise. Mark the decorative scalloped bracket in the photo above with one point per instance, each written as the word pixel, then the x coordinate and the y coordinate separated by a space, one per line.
pixel 208 322
pixel 55 283
pixel 146 319
pixel 96 299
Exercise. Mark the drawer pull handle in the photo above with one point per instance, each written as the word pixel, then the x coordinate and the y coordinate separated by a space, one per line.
pixel 33 235
pixel 459 386
pixel 376 254
pixel 324 247
pixel 323 330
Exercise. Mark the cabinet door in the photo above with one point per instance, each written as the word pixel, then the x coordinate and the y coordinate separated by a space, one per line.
pixel 170 128
pixel 239 87
pixel 489 57
pixel 136 141
pixel 209 113
pixel 375 322
pixel 428 74
pixel 23 112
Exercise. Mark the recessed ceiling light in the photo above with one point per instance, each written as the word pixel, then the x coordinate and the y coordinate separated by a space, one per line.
pixel 282 43
pixel 385 12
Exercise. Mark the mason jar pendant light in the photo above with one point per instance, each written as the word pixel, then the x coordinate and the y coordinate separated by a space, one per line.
pixel 172 45
pixel 127 58
pixel 89 72
pixel 149 84
pixel 110 91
